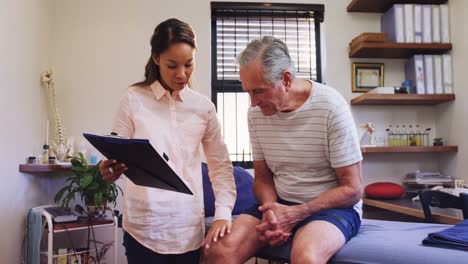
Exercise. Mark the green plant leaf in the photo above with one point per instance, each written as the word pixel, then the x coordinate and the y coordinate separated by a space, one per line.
pixel 60 193
pixel 69 179
pixel 78 169
pixel 76 163
pixel 93 186
pixel 83 160
pixel 98 199
pixel 87 179
pixel 97 174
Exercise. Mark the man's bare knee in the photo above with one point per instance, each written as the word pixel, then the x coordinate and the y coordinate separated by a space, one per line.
pixel 237 246
pixel 223 251
pixel 307 257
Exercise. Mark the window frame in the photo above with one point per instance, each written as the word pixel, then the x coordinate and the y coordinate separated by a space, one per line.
pixel 234 86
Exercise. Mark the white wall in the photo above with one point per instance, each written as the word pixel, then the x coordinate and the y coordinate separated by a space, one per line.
pixel 24 53
pixel 98 48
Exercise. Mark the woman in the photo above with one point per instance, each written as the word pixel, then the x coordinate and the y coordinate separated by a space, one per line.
pixel 163 226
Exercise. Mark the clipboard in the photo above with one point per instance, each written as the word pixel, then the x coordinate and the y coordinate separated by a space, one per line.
pixel 145 166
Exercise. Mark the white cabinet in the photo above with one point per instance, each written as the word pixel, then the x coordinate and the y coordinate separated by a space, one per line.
pixel 82 238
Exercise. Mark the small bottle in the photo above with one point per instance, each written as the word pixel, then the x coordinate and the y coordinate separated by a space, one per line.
pixel 52 160
pixel 404 136
pixel 418 136
pixel 93 157
pixel 411 136
pixel 31 160
pixel 407 84
pixel 45 154
pixel 397 138
pixel 426 139
pixel 391 138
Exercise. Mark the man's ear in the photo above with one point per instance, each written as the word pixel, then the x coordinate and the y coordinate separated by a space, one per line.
pixel 287 79
pixel 155 59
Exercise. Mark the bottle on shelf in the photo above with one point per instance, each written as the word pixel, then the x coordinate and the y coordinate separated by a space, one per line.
pixel 404 136
pixel 419 136
pixel 426 141
pixel 411 136
pixel 397 137
pixel 390 136
pixel 45 154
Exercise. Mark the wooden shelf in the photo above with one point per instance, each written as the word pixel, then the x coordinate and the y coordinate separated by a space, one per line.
pixel 44 168
pixel 82 224
pixel 427 149
pixel 380 6
pixel 402 99
pixel 392 50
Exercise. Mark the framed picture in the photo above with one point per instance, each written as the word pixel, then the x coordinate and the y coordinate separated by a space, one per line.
pixel 367 76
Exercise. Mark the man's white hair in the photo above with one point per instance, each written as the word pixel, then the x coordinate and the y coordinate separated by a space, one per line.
pixel 273 54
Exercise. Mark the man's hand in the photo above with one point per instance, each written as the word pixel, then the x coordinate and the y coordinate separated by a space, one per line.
pixel 217 231
pixel 268 231
pixel 278 221
pixel 269 222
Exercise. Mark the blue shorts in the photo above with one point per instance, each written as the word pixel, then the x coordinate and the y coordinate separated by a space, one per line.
pixel 346 219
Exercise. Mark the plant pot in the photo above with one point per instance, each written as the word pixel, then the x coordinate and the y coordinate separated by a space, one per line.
pixel 95 211
pixel 438 143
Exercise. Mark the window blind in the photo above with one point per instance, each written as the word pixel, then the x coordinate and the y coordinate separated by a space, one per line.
pixel 237 24
pixel 233 26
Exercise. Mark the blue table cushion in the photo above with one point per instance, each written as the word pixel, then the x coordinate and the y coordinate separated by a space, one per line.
pixel 244 187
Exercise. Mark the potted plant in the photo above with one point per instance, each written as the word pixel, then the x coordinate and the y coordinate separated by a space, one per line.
pixel 438 142
pixel 88 183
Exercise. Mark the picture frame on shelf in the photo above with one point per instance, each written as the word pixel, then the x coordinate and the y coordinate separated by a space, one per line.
pixel 366 76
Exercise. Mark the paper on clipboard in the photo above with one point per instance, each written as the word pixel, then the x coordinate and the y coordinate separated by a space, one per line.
pixel 145 166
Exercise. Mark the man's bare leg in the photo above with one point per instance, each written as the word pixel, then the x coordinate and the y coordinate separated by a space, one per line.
pixel 316 243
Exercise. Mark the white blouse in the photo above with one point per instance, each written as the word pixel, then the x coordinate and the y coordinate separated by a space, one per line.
pixel 164 221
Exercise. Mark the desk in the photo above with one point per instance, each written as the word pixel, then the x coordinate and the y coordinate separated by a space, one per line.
pixel 406 206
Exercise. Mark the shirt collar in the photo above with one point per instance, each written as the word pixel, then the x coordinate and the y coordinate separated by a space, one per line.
pixel 159 92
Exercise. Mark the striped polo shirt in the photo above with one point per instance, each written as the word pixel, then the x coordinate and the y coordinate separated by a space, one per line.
pixel 303 147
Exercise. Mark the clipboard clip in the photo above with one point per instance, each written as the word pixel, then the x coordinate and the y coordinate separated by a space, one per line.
pixel 115 135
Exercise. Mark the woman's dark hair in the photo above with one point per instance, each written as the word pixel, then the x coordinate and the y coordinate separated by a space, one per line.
pixel 169 32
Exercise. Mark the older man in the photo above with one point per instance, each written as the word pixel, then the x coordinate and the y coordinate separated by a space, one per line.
pixel 307 163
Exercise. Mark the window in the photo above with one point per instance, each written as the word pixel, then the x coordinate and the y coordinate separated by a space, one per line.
pixel 233 25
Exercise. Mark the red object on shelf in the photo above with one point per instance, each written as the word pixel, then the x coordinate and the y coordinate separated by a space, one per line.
pixel 384 190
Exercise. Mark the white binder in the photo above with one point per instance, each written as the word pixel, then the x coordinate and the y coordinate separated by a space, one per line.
pixel 418 23
pixel 414 71
pixel 435 24
pixel 447 73
pixel 408 11
pixel 429 74
pixel 392 23
pixel 427 23
pixel 438 78
pixel 444 24
pixel 419 70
